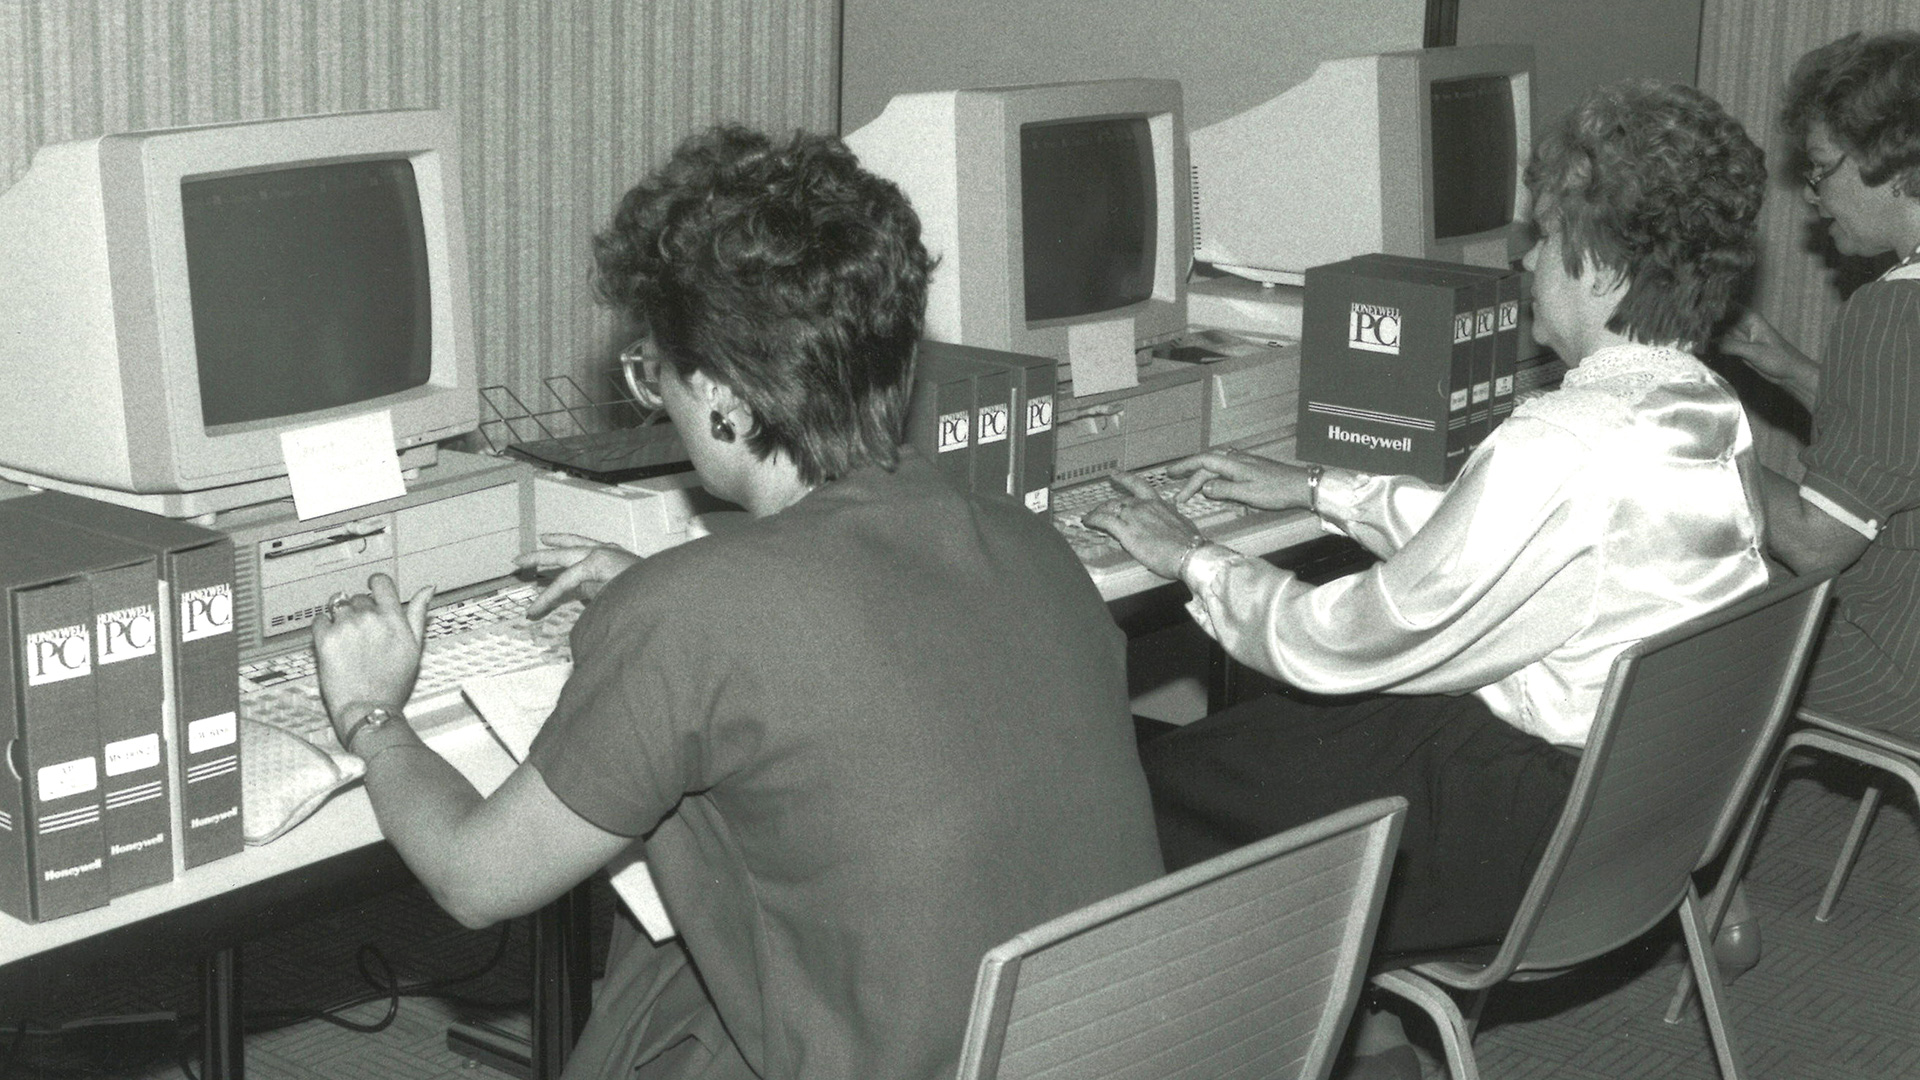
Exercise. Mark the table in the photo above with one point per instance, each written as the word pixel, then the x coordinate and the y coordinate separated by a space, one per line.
pixel 337 857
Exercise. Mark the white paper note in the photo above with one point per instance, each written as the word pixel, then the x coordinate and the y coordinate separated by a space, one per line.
pixel 343 464
pixel 1101 356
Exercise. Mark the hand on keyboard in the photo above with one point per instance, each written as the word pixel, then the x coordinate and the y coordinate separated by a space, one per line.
pixel 1099 551
pixel 584 564
pixel 1147 523
pixel 471 638
pixel 1244 478
pixel 367 646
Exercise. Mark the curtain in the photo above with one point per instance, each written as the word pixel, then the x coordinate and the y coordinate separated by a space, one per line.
pixel 562 105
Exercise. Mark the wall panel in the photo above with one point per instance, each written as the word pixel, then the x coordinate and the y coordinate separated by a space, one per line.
pixel 562 105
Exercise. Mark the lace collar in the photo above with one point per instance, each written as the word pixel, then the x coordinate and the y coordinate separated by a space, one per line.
pixel 1660 363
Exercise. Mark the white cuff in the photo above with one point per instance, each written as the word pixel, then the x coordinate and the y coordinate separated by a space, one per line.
pixel 1868 529
pixel 1203 570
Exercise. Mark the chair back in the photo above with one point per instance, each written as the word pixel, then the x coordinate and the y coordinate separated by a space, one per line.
pixel 1686 725
pixel 1246 965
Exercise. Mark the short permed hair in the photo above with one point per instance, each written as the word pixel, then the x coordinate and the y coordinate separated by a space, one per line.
pixel 1866 92
pixel 1655 182
pixel 786 273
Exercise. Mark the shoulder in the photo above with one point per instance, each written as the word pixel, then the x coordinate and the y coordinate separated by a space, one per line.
pixel 1890 305
pixel 1612 396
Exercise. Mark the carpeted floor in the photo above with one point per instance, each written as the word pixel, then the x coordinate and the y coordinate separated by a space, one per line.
pixel 1828 1001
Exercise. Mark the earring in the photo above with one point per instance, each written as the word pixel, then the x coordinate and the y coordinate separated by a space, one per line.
pixel 720 427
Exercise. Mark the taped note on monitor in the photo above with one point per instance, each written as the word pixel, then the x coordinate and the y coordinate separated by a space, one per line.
pixel 1101 356
pixel 342 465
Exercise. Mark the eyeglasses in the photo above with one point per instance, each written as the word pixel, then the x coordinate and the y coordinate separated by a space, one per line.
pixel 1816 174
pixel 641 366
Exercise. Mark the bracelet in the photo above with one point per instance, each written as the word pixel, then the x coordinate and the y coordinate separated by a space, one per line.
pixel 374 719
pixel 1194 545
pixel 1313 488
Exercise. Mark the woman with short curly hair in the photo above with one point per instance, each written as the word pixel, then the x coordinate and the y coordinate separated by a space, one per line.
pixel 1853 109
pixel 1464 669
pixel 867 734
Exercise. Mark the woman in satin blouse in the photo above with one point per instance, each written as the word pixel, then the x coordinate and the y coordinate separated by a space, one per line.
pixel 1463 670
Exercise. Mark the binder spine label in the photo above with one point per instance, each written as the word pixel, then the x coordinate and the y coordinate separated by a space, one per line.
pixel 128 634
pixel 206 612
pixel 954 431
pixel 63 780
pixel 1040 414
pixel 212 733
pixel 1483 324
pixel 132 755
pixel 994 425
pixel 63 873
pixel 58 654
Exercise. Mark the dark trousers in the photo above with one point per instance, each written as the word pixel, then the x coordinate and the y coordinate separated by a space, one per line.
pixel 1482 799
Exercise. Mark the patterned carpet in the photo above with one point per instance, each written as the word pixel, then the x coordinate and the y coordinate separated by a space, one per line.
pixel 1828 1001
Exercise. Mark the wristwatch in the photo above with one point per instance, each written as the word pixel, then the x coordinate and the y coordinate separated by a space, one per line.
pixel 375 719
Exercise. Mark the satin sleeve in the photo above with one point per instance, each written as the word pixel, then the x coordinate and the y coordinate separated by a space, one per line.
pixel 1456 604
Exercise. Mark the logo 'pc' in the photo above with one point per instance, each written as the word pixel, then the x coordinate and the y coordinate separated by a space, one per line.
pixel 1374 328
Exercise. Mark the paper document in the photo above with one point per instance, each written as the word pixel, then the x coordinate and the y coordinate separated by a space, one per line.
pixel 342 464
pixel 514 705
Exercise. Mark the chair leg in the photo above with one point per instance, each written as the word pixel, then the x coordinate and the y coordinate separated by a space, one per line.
pixel 1455 1033
pixel 1731 872
pixel 1712 992
pixel 1849 852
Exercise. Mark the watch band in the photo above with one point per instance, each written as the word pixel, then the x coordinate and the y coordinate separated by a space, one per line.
pixel 377 717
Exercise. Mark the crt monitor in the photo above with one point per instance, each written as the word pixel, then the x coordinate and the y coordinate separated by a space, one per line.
pixel 1059 213
pixel 176 299
pixel 1410 153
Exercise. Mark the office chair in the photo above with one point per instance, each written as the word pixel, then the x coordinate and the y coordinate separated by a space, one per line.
pixel 1246 965
pixel 1686 725
pixel 1869 746
pixel 1828 734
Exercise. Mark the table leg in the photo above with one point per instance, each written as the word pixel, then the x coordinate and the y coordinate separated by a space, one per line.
pixel 1220 678
pixel 222 1031
pixel 562 979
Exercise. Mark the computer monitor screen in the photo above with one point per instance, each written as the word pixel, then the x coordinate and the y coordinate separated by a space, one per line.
pixel 1472 154
pixel 1410 153
pixel 1087 216
pixel 1051 209
pixel 178 300
pixel 323 269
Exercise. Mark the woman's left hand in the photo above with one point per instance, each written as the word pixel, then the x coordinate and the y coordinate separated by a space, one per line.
pixel 367 646
pixel 1146 525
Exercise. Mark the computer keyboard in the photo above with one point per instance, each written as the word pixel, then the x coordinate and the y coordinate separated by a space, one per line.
pixel 486 634
pixel 1220 521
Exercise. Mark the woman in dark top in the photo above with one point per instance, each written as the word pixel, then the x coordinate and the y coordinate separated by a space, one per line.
pixel 1853 106
pixel 867 735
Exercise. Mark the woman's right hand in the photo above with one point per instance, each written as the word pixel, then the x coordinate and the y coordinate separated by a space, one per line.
pixel 1754 340
pixel 1259 482
pixel 585 566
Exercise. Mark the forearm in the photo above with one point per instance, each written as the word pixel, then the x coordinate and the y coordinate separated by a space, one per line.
pixel 1803 382
pixel 422 802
